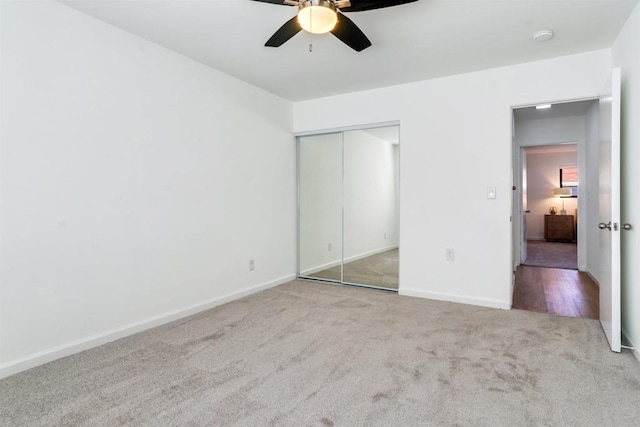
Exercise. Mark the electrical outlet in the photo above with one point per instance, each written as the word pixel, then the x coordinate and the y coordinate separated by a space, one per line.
pixel 252 265
pixel 385 236
pixel 450 254
pixel 329 247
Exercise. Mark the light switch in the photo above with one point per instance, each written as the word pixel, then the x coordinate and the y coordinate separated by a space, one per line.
pixel 491 193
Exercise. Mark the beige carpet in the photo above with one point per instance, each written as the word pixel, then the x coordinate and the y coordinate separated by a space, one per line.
pixel 314 354
pixel 380 270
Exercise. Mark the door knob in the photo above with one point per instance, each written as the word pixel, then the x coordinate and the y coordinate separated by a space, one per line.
pixel 626 226
pixel 602 225
pixel 527 211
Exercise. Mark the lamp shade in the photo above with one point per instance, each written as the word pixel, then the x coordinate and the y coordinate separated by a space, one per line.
pixel 317 16
pixel 565 192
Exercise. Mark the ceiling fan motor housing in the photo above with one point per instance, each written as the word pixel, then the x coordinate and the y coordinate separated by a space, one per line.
pixel 323 16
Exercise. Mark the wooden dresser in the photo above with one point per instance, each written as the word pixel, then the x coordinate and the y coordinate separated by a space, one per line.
pixel 559 227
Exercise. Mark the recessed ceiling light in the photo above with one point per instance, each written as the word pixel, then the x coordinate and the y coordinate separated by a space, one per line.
pixel 542 35
pixel 543 106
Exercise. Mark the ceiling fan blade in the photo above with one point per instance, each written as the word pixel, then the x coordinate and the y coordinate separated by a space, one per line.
pixel 288 30
pixel 350 34
pixel 362 5
pixel 280 2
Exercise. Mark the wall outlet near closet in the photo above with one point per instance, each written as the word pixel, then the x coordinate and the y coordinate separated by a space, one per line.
pixel 329 247
pixel 252 265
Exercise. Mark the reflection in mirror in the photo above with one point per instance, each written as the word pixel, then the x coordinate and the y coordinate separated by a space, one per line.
pixel 320 206
pixel 348 207
pixel 371 221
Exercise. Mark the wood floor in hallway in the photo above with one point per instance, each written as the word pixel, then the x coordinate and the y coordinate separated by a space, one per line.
pixel 569 293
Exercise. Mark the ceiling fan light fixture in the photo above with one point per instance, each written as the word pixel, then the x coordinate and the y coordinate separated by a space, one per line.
pixel 317 16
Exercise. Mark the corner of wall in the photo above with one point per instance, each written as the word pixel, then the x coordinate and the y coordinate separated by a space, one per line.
pixel 88 343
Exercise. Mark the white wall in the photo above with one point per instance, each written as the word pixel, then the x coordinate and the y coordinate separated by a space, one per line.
pixel 542 179
pixel 136 185
pixel 626 54
pixel 456 142
pixel 346 179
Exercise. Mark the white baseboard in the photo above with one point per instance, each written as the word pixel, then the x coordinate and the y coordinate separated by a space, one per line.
pixel 592 277
pixel 370 253
pixel 484 302
pixel 322 267
pixel 87 343
pixel 346 260
pixel 636 350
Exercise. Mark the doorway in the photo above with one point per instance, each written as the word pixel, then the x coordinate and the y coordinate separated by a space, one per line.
pixel 348 207
pixel 552 205
pixel 555 183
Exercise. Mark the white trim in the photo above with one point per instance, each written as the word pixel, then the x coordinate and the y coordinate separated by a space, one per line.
pixel 318 268
pixel 370 253
pixel 592 277
pixel 484 302
pixel 635 351
pixel 347 260
pixel 87 343
pixel 347 128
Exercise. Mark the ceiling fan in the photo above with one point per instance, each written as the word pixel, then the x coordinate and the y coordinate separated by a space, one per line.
pixel 323 16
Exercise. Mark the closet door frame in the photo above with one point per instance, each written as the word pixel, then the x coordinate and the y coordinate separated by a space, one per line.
pixel 342 130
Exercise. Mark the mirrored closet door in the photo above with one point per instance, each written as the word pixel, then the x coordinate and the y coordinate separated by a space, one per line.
pixel 320 206
pixel 348 189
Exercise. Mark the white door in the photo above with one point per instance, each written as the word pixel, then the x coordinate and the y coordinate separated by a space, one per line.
pixel 609 215
pixel 525 209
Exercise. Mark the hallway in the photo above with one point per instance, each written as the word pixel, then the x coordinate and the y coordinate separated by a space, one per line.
pixel 569 293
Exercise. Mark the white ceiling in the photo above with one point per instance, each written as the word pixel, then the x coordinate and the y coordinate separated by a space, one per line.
pixel 565 109
pixel 416 41
pixel 545 149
